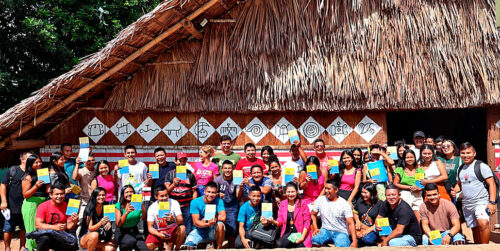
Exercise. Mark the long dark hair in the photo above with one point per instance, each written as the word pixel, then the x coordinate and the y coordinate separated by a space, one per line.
pixel 122 196
pixel 372 189
pixel 29 166
pixel 427 147
pixel 400 160
pixel 455 148
pixel 406 152
pixel 312 159
pixel 294 186
pixel 62 176
pixel 361 162
pixel 90 210
pixel 105 162
pixel 342 165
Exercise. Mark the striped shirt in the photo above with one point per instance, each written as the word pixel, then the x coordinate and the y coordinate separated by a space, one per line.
pixel 183 192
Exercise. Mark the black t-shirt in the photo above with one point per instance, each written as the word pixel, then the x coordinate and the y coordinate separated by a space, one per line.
pixel 14 190
pixel 162 172
pixel 361 207
pixel 403 215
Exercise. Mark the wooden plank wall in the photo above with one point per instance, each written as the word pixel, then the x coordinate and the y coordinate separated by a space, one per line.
pixel 492 117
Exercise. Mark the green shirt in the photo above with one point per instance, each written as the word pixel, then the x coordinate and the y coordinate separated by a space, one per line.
pixel 219 159
pixel 451 166
pixel 132 219
pixel 405 179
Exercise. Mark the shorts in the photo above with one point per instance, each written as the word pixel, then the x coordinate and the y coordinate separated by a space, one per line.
pixel 198 236
pixel 414 199
pixel 472 215
pixel 171 231
pixel 16 220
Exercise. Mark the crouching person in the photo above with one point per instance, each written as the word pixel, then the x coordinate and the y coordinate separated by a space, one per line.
pixel 167 229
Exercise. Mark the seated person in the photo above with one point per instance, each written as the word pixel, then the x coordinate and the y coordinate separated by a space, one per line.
pixel 336 218
pixel 51 215
pixel 403 222
pixel 248 214
pixel 207 230
pixel 440 214
pixel 258 178
pixel 165 230
pixel 365 212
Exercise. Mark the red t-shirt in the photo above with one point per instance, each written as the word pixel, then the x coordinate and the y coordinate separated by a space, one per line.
pixel 52 214
pixel 246 165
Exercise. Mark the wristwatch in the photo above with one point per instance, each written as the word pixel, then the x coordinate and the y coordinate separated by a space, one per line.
pixel 449 234
pixel 492 202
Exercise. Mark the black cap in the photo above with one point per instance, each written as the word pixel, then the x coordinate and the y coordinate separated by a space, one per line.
pixel 418 134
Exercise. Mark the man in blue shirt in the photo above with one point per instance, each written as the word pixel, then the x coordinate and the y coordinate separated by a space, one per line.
pixel 265 184
pixel 249 213
pixel 69 166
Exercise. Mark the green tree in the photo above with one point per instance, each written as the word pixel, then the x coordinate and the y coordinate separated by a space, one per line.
pixel 40 40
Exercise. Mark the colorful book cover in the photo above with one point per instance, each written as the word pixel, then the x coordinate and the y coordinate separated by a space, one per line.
pixel 84 149
pixel 84 142
pixel 154 169
pixel 289 174
pixel 210 211
pixel 136 201
pixel 75 189
pixel 377 171
pixel 267 210
pixel 73 206
pixel 383 223
pixel 180 172
pixel 435 237
pixel 123 163
pixel 237 177
pixel 43 174
pixel 334 166
pixel 293 135
pixel 109 210
pixel 393 152
pixel 311 170
pixel 418 178
pixel 163 208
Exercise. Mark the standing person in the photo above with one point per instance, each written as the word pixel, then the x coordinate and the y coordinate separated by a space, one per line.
pixel 249 214
pixel 57 173
pixel 99 234
pixel 319 150
pixel 349 177
pixel 439 214
pixel 358 156
pixel 265 153
pixel 375 154
pixel 312 188
pixel 181 159
pixel 164 166
pixel 419 141
pixel 138 175
pixel 296 162
pixel 227 153
pixel 259 180
pixel 337 221
pixel 12 200
pixel 403 222
pixel 434 169
pixel 438 143
pixel 105 180
pixel 429 140
pixel 451 161
pixel 249 161
pixel 205 170
pixel 34 192
pixel 400 148
pixel 228 192
pixel 479 198
pixel 127 219
pixel 84 177
pixel 51 215
pixel 404 179
pixel 277 178
pixel 213 229
pixel 365 211
pixel 69 163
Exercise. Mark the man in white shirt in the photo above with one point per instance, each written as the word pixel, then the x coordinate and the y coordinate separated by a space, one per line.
pixel 138 175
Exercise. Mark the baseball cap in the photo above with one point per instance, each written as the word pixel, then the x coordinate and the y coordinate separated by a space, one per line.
pixel 181 155
pixel 419 134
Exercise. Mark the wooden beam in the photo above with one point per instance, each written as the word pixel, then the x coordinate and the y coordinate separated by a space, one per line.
pixel 188 25
pixel 26 144
pixel 16 134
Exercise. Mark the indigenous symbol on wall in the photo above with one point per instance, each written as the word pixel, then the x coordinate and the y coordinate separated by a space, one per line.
pixel 256 130
pixel 281 128
pixel 175 130
pixel 367 128
pixel 148 129
pixel 339 129
pixel 311 129
pixel 202 130
pixel 95 129
pixel 230 128
pixel 122 129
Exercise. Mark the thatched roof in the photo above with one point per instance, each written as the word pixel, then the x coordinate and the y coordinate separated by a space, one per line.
pixel 294 55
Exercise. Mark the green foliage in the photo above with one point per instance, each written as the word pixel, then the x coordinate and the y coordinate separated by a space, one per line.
pixel 40 40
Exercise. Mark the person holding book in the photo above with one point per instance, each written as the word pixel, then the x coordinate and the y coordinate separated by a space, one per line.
pixel 227 154
pixel 228 192
pixel 208 215
pixel 51 216
pixel 296 162
pixel 349 176
pixel 319 150
pixel 99 234
pixel 260 180
pixel 358 156
pixel 127 219
pixel 365 212
pixel 181 159
pixel 249 214
pixel 402 221
pixel 313 188
pixel 57 173
pixel 164 167
pixel 249 161
pixel 265 153
pixel 374 155
pixel 441 215
pixel 405 178
pixel 451 161
pixel 84 177
pixel 434 170
pixel 106 180
pixel 166 228
pixel 35 191
pixel 137 175
pixel 69 163
pixel 205 170
pixel 277 177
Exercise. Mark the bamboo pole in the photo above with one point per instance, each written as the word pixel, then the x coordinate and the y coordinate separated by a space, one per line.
pixel 106 74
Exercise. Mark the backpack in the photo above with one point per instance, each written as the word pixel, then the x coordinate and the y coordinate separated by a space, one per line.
pixel 477 172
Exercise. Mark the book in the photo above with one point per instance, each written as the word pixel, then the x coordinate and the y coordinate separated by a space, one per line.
pixel 377 171
pixel 73 206
pixel 136 201
pixel 154 169
pixel 210 211
pixel 393 152
pixel 267 210
pixel 418 178
pixel 123 163
pixel 84 142
pixel 43 174
pixel 289 174
pixel 84 149
pixel 163 208
pixel 180 172
pixel 293 135
pixel 383 223
pixel 435 237
pixel 237 177
pixel 311 170
pixel 109 211
pixel 334 166
pixel 75 189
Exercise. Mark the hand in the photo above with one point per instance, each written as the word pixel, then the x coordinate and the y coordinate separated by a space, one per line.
pixel 3 205
pixel 129 208
pixel 39 183
pixel 60 227
pixel 74 217
pixel 358 225
pixel 445 241
pixel 168 217
pixel 107 226
pixel 149 176
pixel 384 243
pixel 176 181
pixel 315 232
pixel 354 244
pixel 246 181
pixel 78 161
pixel 117 167
pixel 453 193
pixel 375 151
pixel 493 208
pixel 68 190
pixel 264 221
pixel 378 228
pixel 212 222
pixel 374 181
pixel 300 239
pixel 308 178
pixel 221 195
pixel 245 243
pixel 297 143
pixel 296 180
pixel 424 182
pixel 104 220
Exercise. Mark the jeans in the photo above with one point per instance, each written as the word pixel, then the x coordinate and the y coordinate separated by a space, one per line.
pixel 457 237
pixel 45 242
pixel 198 236
pixel 369 240
pixel 324 236
pixel 188 221
pixel 405 240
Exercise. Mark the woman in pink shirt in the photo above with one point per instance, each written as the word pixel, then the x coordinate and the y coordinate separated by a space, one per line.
pixel 349 176
pixel 105 180
pixel 312 188
pixel 205 170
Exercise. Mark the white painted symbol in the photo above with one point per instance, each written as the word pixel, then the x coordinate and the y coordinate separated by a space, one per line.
pixel 281 128
pixel 311 129
pixel 367 128
pixel 202 130
pixel 175 130
pixel 256 130
pixel 95 129
pixel 339 129
pixel 122 129
pixel 229 128
pixel 148 129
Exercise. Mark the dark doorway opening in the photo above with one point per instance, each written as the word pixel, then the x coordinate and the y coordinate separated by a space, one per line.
pixel 460 125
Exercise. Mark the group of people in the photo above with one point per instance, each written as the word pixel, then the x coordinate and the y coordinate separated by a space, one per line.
pixel 432 185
